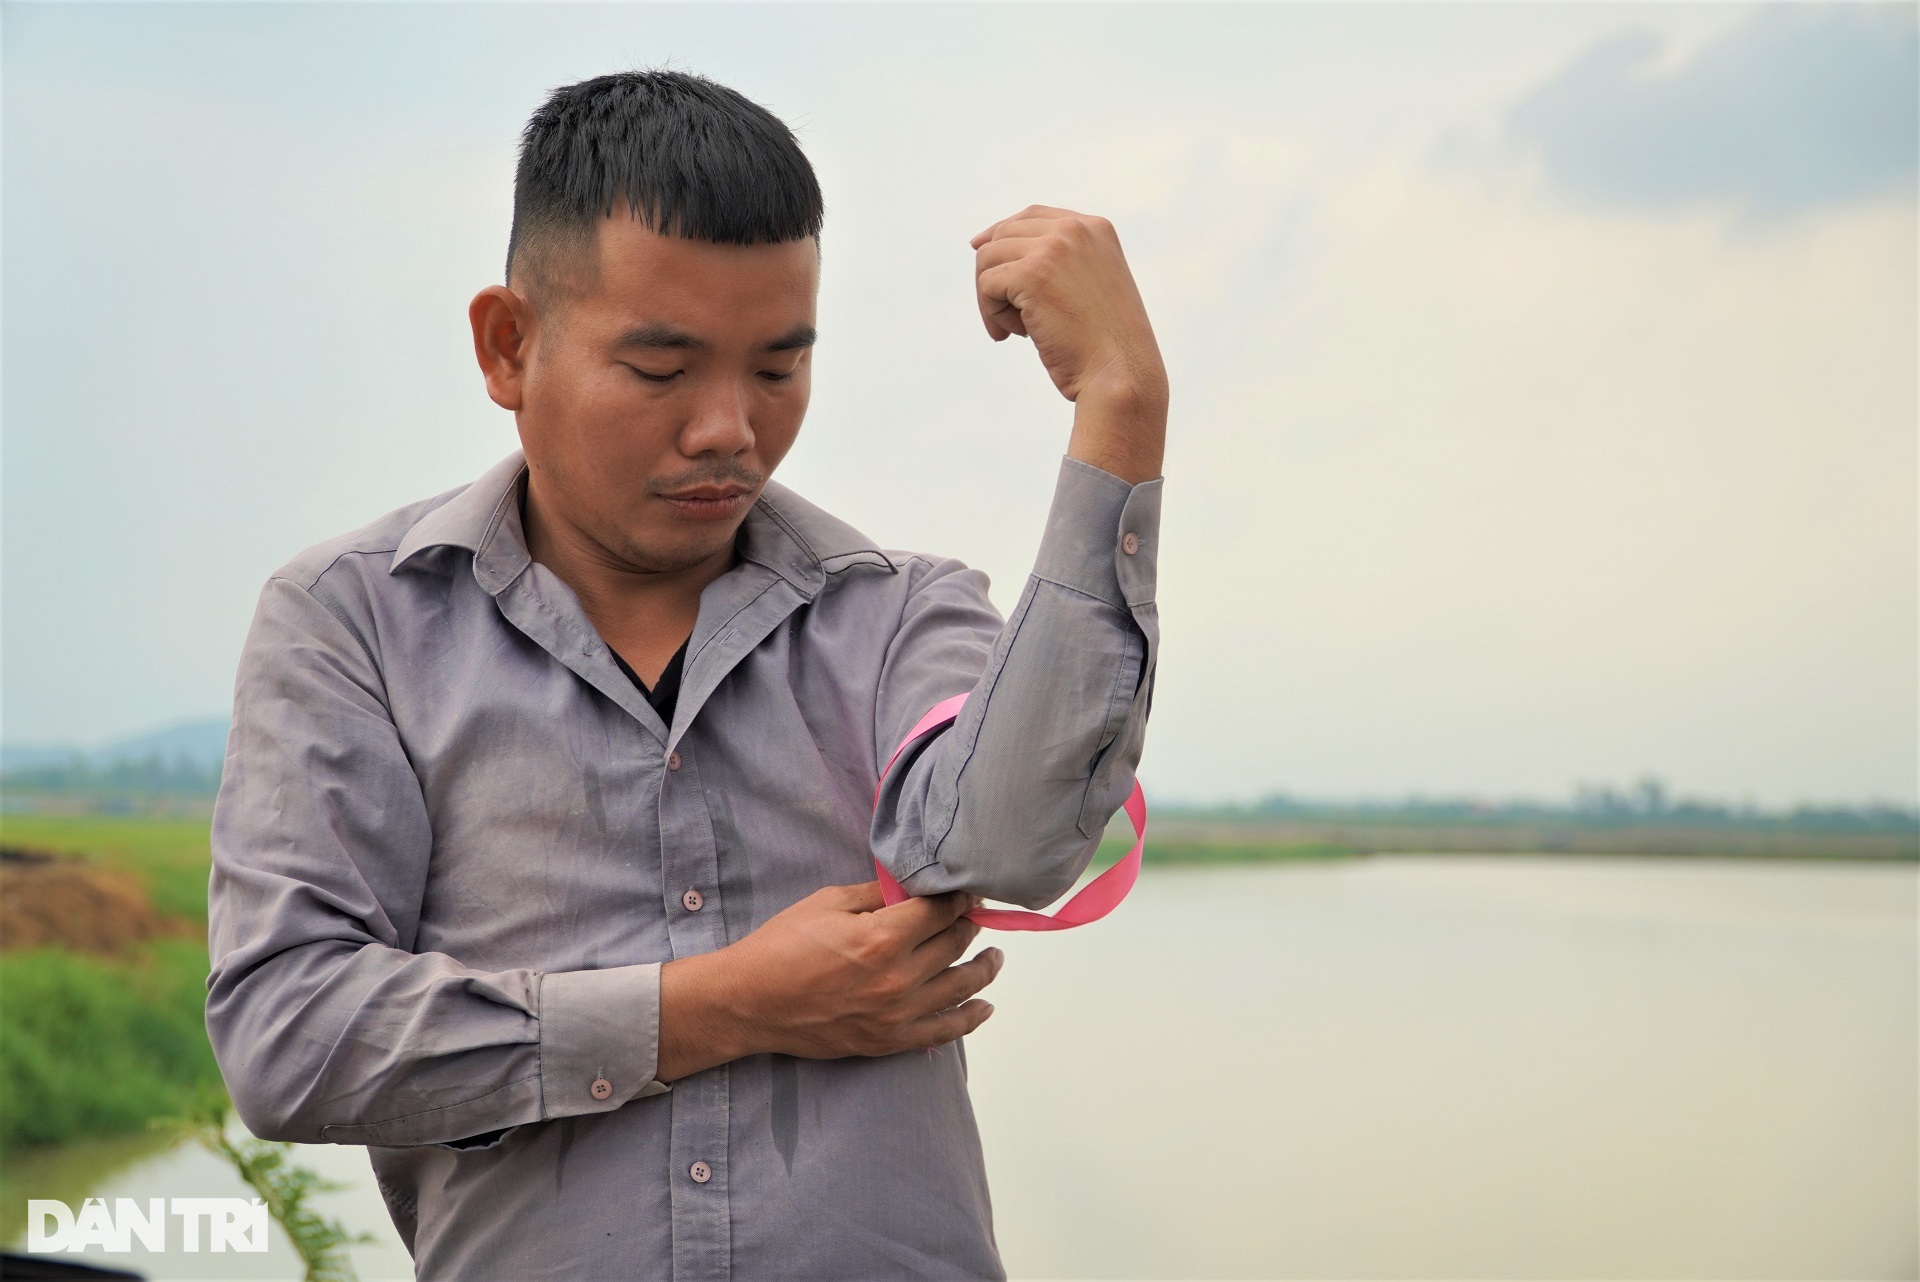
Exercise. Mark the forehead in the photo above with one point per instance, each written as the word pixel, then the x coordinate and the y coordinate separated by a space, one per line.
pixel 697 285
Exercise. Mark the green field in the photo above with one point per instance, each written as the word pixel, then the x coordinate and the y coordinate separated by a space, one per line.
pixel 170 855
pixel 96 1046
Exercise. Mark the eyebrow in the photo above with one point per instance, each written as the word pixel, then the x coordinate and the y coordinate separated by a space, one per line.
pixel 658 334
pixel 797 337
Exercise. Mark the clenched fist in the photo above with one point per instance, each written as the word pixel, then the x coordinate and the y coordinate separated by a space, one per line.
pixel 1060 279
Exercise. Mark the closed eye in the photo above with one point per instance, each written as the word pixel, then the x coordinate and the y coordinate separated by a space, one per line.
pixel 656 378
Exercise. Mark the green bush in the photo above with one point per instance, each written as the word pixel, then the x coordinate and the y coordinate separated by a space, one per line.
pixel 93 1046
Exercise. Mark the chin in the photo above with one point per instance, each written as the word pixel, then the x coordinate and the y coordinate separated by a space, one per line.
pixel 671 550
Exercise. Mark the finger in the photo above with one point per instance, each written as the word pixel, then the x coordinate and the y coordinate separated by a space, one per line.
pixel 1032 213
pixel 948 1025
pixel 944 949
pixel 999 291
pixel 999 315
pixel 1001 275
pixel 1001 318
pixel 924 916
pixel 996 252
pixel 1021 229
pixel 953 986
pixel 998 309
pixel 862 898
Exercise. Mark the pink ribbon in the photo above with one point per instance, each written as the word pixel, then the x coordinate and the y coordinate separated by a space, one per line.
pixel 1095 900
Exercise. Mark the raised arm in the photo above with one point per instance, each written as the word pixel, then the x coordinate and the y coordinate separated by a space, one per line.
pixel 1011 801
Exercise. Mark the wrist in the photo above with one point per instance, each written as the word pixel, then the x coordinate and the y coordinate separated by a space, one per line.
pixel 702 1019
pixel 1120 423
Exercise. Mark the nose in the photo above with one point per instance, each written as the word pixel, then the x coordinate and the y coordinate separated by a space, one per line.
pixel 721 423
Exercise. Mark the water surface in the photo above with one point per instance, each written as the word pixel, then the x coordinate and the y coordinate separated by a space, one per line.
pixel 1425 1068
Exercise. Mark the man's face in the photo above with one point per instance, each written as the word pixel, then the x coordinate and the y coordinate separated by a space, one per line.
pixel 661 393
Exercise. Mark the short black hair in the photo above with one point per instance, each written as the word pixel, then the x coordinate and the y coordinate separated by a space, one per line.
pixel 691 158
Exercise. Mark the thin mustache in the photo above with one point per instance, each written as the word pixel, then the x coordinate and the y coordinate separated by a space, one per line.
pixel 725 474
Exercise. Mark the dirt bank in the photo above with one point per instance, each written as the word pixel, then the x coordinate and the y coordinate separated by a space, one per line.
pixel 49 900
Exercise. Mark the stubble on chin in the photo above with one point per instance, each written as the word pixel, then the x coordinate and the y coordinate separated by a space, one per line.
pixel 677 551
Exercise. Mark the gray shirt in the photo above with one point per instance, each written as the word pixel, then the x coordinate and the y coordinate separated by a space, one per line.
pixel 454 843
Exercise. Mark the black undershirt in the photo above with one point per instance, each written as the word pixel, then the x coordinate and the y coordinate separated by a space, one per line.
pixel 665 692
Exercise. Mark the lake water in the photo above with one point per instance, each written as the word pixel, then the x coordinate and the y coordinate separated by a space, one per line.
pixel 1423 1068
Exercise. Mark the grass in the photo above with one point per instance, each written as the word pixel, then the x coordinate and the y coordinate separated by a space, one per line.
pixel 171 856
pixel 98 1046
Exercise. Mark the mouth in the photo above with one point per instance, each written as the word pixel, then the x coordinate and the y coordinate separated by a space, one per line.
pixel 707 502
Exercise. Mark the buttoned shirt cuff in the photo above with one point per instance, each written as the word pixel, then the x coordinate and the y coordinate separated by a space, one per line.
pixel 1102 536
pixel 599 1038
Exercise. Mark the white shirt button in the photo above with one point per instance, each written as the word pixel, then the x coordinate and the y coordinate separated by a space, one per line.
pixel 673 759
pixel 700 1172
pixel 1130 543
pixel 601 1088
pixel 692 900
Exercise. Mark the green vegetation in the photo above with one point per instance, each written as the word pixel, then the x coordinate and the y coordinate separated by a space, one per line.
pixel 98 1046
pixel 268 1169
pixel 1600 821
pixel 104 1057
pixel 170 855
pixel 1180 851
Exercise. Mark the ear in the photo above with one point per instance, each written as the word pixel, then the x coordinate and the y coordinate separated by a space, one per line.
pixel 502 330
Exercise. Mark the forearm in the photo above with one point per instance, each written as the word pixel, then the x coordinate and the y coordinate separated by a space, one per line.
pixel 338 1042
pixel 326 1039
pixel 1010 802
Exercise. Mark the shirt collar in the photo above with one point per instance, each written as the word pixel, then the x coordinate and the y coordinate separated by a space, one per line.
pixel 783 532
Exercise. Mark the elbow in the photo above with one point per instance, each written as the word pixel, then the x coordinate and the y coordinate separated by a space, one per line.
pixel 260 1079
pixel 266 1107
pixel 1035 877
pixel 266 1115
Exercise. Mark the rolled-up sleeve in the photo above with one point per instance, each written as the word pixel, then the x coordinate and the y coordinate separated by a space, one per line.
pixel 1012 799
pixel 327 1026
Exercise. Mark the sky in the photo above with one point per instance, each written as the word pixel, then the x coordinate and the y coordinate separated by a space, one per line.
pixel 1545 386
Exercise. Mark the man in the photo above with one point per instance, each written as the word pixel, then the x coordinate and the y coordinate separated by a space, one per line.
pixel 543 860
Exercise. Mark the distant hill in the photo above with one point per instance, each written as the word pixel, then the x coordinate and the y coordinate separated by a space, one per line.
pixel 180 760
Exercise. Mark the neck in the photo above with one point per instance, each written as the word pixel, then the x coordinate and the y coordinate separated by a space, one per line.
pixel 645 615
